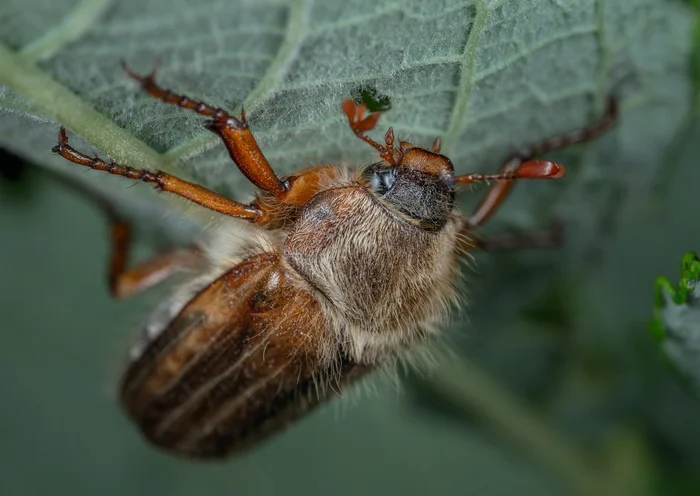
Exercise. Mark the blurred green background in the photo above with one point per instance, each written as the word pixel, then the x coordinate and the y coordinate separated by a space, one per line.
pixel 556 387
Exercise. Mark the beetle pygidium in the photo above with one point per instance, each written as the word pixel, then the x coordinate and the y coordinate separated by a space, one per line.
pixel 326 275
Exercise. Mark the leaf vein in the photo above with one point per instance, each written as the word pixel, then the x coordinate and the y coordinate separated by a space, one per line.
pixel 466 77
pixel 503 63
pixel 295 32
pixel 74 26
pixel 60 104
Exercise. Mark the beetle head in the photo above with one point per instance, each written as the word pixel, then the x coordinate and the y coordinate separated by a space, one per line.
pixel 420 185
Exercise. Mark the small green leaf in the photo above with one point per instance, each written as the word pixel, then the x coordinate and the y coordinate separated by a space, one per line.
pixel 676 322
pixel 373 100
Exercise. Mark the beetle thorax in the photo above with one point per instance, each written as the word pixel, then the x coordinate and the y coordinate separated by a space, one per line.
pixel 382 281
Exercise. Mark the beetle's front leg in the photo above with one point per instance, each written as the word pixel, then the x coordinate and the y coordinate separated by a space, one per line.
pixel 234 132
pixel 360 124
pixel 163 181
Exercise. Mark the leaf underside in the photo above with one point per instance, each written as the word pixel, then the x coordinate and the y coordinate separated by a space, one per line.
pixel 485 76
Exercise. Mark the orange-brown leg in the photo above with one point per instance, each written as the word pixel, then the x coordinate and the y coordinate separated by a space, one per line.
pixel 361 124
pixel 125 282
pixel 234 132
pixel 306 183
pixel 163 181
pixel 521 165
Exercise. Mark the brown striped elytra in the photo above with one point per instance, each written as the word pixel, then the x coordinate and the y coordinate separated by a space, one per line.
pixel 328 274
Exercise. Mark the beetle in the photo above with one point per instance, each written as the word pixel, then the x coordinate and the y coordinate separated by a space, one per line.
pixel 328 274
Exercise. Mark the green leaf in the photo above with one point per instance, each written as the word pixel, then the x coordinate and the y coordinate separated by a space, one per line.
pixel 485 76
pixel 373 100
pixel 676 322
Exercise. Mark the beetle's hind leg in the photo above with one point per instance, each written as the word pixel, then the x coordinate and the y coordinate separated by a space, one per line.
pixel 524 159
pixel 124 281
pixel 550 237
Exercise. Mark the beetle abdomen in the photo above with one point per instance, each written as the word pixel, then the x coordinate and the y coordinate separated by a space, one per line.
pixel 239 361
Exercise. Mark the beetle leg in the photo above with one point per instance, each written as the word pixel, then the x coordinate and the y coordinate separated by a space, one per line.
pixel 547 238
pixel 302 186
pixel 234 132
pixel 361 124
pixel 163 181
pixel 524 158
pixel 125 282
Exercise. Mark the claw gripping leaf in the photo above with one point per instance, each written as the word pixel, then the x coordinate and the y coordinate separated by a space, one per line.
pixel 676 322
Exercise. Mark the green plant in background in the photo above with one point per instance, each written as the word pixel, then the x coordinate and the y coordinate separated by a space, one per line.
pixel 564 382
pixel 676 322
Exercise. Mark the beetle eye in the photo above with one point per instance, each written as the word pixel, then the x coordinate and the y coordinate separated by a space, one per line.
pixel 382 180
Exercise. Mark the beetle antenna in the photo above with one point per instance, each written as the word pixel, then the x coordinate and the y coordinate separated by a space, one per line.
pixel 532 169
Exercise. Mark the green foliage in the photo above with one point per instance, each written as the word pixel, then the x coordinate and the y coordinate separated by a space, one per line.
pixel 689 127
pixel 676 323
pixel 373 100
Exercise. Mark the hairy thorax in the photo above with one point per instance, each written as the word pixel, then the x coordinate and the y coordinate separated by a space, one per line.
pixel 382 281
